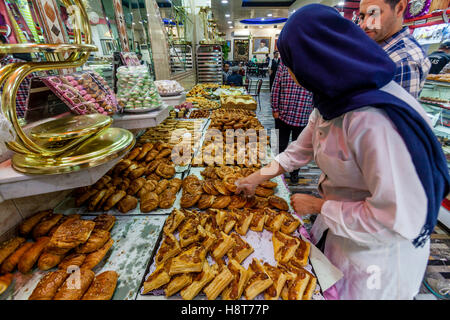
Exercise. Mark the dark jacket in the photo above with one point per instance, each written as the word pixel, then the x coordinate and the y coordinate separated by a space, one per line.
pixel 235 79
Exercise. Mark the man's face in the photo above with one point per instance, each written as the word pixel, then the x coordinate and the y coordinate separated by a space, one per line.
pixel 262 44
pixel 275 56
pixel 226 68
pixel 378 20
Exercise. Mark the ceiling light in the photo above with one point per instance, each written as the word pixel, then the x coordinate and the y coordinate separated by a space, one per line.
pixel 269 14
pixel 230 27
pixel 341 3
pixel 227 15
pixel 224 1
pixel 229 22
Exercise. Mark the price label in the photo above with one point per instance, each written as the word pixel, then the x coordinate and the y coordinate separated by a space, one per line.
pixel 423 21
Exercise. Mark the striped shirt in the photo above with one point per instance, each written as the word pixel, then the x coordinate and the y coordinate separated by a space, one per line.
pixel 294 103
pixel 412 63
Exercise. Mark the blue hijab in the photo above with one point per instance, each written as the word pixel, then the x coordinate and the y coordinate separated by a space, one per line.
pixel 333 58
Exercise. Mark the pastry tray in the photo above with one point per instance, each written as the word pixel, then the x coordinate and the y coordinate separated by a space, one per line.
pixel 135 238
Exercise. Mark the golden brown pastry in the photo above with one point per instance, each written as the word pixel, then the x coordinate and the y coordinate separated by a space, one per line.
pixel 162 185
pixel 229 181
pixel 11 262
pixel 29 258
pixel 153 176
pixel 151 155
pixel 49 260
pixel 163 153
pixel 109 192
pixel 264 192
pixel 74 259
pixel 279 278
pixel 173 221
pixel 8 247
pixel 205 201
pixel 208 187
pixel 133 154
pixel 241 249
pixel 104 222
pixel 290 223
pixel 28 225
pixel 178 283
pixel 200 280
pixel 223 171
pixel 96 198
pixel 5 282
pixel 166 171
pixel 114 199
pixel 61 221
pixel 258 281
pixel 251 202
pixel 295 288
pixel 48 286
pixel 149 186
pixel 225 220
pixel 222 246
pixel 190 231
pixel 221 202
pixel 158 278
pixel 149 202
pixel 97 240
pixel 136 185
pixel 144 150
pixel 151 167
pixel 240 277
pixel 220 282
pixel 220 187
pixel 238 201
pixel 127 204
pixel 261 203
pixel 71 289
pixel 209 173
pixel 101 183
pixel 300 258
pixel 284 246
pixel 308 293
pixel 243 220
pixel 279 203
pixel 167 198
pixel 191 184
pixel 189 200
pixel 116 181
pixel 274 220
pixel 46 224
pixel 124 184
pixel 175 184
pixel 268 184
pixel 258 220
pixel 69 235
pixel 103 286
pixel 137 173
pixel 209 239
pixel 94 258
pixel 169 248
pixel 121 166
pixel 190 260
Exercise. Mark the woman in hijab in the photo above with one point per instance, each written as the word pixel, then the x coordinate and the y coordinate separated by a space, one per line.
pixel 384 173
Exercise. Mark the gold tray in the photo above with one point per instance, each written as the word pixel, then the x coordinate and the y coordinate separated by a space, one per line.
pixel 71 127
pixel 103 147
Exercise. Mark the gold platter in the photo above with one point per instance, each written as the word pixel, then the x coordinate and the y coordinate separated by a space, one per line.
pixel 71 127
pixel 107 145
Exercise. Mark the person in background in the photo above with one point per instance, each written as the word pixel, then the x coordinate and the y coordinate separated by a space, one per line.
pixel 226 72
pixel 254 60
pixel 235 78
pixel 24 88
pixel 412 63
pixel 267 59
pixel 440 58
pixel 241 69
pixel 273 67
pixel 384 171
pixel 291 107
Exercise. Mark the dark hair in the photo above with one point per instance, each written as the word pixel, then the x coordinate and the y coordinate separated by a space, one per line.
pixel 3 39
pixel 445 45
pixel 392 3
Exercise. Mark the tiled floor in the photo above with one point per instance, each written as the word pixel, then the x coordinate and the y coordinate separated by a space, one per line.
pixel 439 261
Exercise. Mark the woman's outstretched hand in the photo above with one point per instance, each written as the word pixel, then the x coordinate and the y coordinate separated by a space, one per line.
pixel 305 204
pixel 246 186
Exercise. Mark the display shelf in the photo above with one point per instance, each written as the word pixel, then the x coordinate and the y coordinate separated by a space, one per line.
pixel 175 100
pixel 15 185
pixel 142 120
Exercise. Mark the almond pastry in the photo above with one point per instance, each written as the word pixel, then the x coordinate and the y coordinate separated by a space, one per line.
pixel 241 250
pixel 273 220
pixel 236 287
pixel 290 223
pixel 284 246
pixel 205 201
pixel 264 192
pixel 258 281
pixel 221 202
pixel 169 248
pixel 238 201
pixel 279 203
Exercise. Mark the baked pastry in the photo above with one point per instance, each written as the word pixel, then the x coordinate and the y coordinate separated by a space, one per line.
pixel 308 293
pixel 223 171
pixel 149 202
pixel 229 181
pixel 258 220
pixel 49 285
pixel 151 155
pixel 8 247
pixel 189 200
pixel 122 165
pixel 169 248
pixel 29 258
pixel 70 291
pixel 188 261
pixel 205 201
pixel 149 186
pixel 209 221
pixel 146 147
pixel 127 204
pixel 94 258
pixel 74 259
pixel 220 282
pixel 28 225
pixel 191 184
pixel 45 225
pixel 258 281
pixel 243 220
pixel 238 201
pixel 114 199
pixel 225 220
pixel 11 262
pixel 209 240
pixel 97 240
pixel 264 192
pixel 177 283
pixel 96 198
pixel 109 192
pixel 166 171
pixel 222 246
pixel 290 223
pixel 103 286
pixel 261 203
pixel 164 153
pixel 268 184
pixel 240 277
pixel 209 173
pixel 279 278
pixel 101 183
pixel 279 203
pixel 49 260
pixel 294 289
pixel 104 222
pixel 206 275
pixel 158 278
pixel 220 187
pixel 251 202
pixel 273 220
pixel 80 200
pixel 133 154
pixel 240 250
pixel 162 185
pixel 61 221
pixel 190 231
pixel 151 167
pixel 136 185
pixel 173 221
pixel 69 235
pixel 221 202
pixel 208 187
pixel 300 258
pixel 284 246
pixel 167 198
pixel 124 184
pixel 5 282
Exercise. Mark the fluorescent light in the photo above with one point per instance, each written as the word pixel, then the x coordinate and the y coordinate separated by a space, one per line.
pixel 224 1
pixel 229 22
pixel 269 14
pixel 340 4
pixel 227 15
pixel 230 27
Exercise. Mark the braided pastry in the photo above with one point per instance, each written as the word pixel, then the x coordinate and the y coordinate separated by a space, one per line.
pixel 149 202
pixel 237 201
pixel 175 184
pixel 205 201
pixel 189 200
pixel 208 187
pixel 264 192
pixel 221 202
pixel 165 170
pixel 219 185
pixel 145 149
pixel 167 198
pixel 162 185
pixel 136 185
pixel 278 203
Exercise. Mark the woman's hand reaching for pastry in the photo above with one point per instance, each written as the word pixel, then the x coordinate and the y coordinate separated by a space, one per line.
pixel 246 186
pixel 305 204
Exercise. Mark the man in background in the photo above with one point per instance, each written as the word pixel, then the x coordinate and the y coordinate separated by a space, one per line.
pixel 273 67
pixel 235 78
pixel 291 108
pixel 382 20
pixel 440 57
pixel 226 72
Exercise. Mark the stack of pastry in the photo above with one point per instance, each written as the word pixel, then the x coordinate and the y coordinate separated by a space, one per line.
pixel 180 265
pixel 246 102
pixel 203 103
pixel 61 241
pixel 145 174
